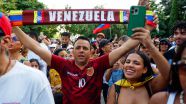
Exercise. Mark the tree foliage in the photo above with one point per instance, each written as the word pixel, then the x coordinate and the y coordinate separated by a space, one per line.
pixel 168 11
pixel 7 5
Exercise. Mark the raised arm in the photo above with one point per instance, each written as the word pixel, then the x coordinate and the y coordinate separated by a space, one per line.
pixel 33 45
pixel 159 59
pixel 116 54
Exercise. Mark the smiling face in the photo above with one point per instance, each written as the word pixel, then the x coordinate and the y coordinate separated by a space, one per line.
pixel 134 67
pixel 65 39
pixel 164 46
pixel 81 51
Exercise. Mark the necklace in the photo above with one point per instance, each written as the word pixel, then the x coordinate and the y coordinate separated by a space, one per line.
pixel 182 97
pixel 6 68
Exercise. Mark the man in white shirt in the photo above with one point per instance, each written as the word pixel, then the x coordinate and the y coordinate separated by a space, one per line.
pixel 20 84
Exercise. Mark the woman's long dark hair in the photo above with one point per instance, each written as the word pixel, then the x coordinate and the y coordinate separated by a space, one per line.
pixel 174 76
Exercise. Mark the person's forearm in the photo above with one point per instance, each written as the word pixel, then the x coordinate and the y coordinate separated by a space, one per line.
pixel 160 61
pixel 119 52
pixel 108 74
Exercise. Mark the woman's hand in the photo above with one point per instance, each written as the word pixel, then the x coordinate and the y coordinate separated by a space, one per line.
pixel 143 35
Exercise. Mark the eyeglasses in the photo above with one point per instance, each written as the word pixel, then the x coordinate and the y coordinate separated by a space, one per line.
pixel 14 39
pixel 163 43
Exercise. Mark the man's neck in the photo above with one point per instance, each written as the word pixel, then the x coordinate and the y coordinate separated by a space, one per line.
pixel 15 55
pixel 81 65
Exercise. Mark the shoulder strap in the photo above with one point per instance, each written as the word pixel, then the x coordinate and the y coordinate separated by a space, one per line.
pixel 117 90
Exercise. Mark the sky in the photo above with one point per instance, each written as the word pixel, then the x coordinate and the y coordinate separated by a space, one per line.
pixel 89 4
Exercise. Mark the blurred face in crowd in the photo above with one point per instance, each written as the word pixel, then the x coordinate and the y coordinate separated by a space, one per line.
pixel 107 48
pixel 81 51
pixel 115 45
pixel 52 49
pixel 65 39
pixel 145 50
pixel 120 43
pixel 34 64
pixel 62 54
pixel 119 64
pixel 182 70
pixel 134 67
pixel 164 46
pixel 99 37
pixel 180 36
pixel 171 39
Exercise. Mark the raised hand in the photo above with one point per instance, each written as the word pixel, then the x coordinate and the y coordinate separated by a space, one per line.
pixel 143 35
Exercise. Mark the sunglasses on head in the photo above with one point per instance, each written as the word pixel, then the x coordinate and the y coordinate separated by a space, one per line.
pixel 163 43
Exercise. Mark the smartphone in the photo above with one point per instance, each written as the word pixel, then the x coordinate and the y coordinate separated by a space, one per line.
pixel 136 18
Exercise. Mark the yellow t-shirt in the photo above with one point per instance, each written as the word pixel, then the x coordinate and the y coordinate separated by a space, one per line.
pixel 55 78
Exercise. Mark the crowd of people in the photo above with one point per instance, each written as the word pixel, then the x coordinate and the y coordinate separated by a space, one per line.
pixel 126 70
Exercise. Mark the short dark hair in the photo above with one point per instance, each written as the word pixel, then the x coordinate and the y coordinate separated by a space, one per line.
pixel 35 60
pixel 33 34
pixel 56 52
pixel 179 25
pixel 174 76
pixel 65 34
pixel 82 38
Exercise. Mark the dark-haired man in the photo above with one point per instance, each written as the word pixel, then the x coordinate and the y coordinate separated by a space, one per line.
pixel 179 31
pixel 20 84
pixel 65 39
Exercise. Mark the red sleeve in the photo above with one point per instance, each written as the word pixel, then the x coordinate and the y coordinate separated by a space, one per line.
pixel 103 62
pixel 58 63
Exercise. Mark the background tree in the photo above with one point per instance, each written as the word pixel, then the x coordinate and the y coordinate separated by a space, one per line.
pixel 174 14
pixel 7 5
pixel 168 12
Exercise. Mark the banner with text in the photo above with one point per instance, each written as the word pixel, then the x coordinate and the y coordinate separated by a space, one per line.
pixel 68 16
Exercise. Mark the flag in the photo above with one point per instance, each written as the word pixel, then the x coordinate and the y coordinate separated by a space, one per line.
pixel 5 26
pixel 101 28
pixel 16 17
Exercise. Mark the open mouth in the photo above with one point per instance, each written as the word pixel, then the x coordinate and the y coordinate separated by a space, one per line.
pixel 129 71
